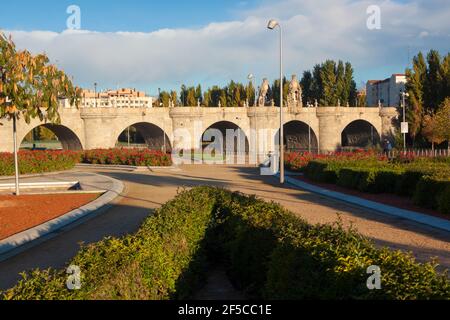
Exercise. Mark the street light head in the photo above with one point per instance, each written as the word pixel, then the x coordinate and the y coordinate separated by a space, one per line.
pixel 272 24
pixel 250 76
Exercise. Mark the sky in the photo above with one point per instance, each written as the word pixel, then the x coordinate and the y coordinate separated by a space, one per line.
pixel 162 44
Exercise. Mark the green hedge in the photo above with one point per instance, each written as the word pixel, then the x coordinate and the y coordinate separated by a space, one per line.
pixel 444 201
pixel 425 182
pixel 429 190
pixel 158 262
pixel 269 253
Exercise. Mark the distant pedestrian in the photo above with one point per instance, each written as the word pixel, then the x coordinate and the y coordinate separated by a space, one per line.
pixel 387 147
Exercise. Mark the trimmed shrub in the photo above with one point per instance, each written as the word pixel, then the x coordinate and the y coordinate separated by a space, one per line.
pixel 406 183
pixel 321 172
pixel 131 157
pixel 428 191
pixel 444 201
pixel 269 253
pixel 31 162
pixel 349 178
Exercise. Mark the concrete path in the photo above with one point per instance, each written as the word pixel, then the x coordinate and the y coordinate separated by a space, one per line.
pixel 148 190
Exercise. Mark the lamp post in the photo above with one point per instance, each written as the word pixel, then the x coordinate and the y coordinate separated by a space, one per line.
pixel 95 94
pixel 250 78
pixel 272 25
pixel 308 105
pixel 404 95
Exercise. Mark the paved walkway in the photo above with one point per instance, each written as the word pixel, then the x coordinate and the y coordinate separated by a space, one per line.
pixel 148 190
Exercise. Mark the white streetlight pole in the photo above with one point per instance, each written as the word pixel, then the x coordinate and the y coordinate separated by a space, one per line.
pixel 272 25
pixel 251 77
pixel 404 94
pixel 16 160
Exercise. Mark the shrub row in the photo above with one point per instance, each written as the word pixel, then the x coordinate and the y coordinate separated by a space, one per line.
pixel 269 253
pixel 427 184
pixel 161 261
pixel 132 157
pixel 38 161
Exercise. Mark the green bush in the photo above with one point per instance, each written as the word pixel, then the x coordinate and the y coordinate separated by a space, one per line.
pixel 407 182
pixel 429 190
pixel 321 172
pixel 349 178
pixel 444 201
pixel 269 253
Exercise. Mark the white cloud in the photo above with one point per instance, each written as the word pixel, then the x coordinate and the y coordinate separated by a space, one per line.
pixel 314 30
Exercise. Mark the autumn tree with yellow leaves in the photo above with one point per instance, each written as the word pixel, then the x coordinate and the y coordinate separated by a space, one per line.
pixel 31 87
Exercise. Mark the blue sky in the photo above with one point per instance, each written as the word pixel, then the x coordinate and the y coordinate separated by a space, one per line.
pixel 120 15
pixel 163 44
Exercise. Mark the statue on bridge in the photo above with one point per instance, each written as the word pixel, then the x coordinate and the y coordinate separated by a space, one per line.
pixel 262 99
pixel 295 93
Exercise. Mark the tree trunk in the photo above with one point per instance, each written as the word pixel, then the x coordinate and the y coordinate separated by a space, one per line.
pixel 16 161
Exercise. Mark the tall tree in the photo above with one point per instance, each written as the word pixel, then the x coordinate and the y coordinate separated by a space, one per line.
pixel 341 85
pixel 432 84
pixel 328 77
pixel 250 93
pixel 317 86
pixel 351 92
pixel 183 95
pixel 415 80
pixel 442 120
pixel 199 94
pixel 275 91
pixel 307 87
pixel 174 98
pixel 191 99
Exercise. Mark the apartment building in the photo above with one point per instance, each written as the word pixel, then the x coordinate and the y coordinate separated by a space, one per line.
pixel 387 91
pixel 121 98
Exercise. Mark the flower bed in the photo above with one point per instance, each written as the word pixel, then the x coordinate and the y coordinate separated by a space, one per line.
pixel 38 161
pixel 269 254
pixel 426 180
pixel 131 157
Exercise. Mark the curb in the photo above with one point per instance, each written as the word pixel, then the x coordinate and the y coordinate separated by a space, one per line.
pixel 430 221
pixel 120 167
pixel 10 245
pixel 34 175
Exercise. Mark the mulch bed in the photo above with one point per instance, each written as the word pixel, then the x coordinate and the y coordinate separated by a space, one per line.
pixel 384 198
pixel 20 213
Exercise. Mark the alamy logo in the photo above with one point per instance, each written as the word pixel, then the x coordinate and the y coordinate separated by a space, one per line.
pixel 74 20
pixel 74 279
pixel 374 281
pixel 374 19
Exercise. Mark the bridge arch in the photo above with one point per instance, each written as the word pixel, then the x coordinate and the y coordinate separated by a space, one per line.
pixel 297 136
pixel 153 135
pixel 66 136
pixel 208 136
pixel 360 133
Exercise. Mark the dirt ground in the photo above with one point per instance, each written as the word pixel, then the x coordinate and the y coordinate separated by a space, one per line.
pixel 24 212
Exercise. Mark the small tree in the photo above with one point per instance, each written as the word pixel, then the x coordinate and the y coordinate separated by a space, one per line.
pixel 442 121
pixel 431 130
pixel 30 87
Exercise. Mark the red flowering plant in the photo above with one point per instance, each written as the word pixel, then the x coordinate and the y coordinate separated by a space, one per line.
pixel 131 157
pixel 38 161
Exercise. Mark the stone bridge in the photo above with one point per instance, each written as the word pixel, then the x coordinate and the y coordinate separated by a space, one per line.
pixel 330 127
